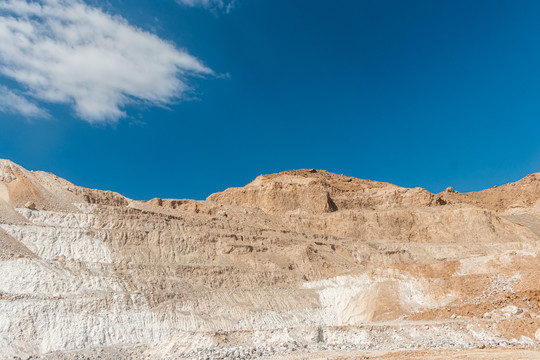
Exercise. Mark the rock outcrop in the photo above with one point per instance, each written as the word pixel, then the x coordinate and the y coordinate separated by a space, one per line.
pixel 297 262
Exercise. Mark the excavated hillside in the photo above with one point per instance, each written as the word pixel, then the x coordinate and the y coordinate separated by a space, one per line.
pixel 296 265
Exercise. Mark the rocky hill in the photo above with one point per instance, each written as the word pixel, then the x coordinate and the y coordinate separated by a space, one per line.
pixel 299 264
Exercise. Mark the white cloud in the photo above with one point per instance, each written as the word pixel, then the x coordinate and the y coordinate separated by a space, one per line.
pixel 17 104
pixel 225 5
pixel 64 51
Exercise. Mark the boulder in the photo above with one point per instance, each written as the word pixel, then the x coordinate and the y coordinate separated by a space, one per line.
pixel 30 205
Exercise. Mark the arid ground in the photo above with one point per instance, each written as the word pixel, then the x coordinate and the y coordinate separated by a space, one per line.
pixel 301 264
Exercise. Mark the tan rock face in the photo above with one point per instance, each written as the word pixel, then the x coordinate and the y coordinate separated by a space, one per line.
pixel 317 191
pixel 306 258
pixel 520 195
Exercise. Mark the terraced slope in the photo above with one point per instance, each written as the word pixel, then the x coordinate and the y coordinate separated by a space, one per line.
pixel 297 264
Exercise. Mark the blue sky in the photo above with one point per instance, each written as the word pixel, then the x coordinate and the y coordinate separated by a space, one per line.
pixel 182 99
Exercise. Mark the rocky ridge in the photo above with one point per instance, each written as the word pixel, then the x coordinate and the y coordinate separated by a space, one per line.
pixel 297 264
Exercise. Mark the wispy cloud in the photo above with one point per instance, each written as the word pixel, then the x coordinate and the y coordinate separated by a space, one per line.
pixel 10 102
pixel 223 5
pixel 64 51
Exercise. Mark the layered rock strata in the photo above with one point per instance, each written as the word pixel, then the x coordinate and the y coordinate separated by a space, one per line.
pixel 300 262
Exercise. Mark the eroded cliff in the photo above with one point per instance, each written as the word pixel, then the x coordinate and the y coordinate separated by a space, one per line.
pixel 301 262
